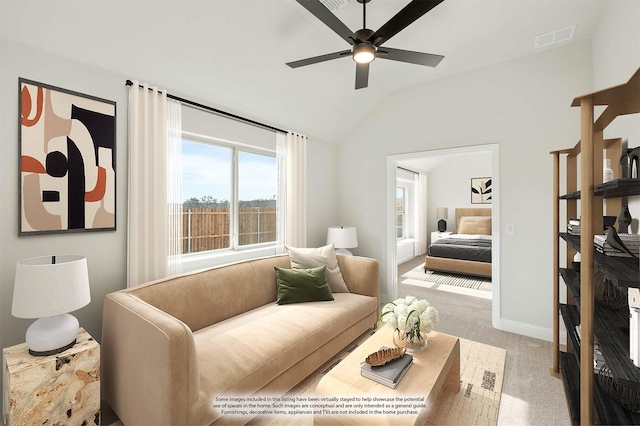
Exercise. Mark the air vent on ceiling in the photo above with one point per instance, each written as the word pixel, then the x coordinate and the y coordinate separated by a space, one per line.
pixel 553 37
pixel 335 4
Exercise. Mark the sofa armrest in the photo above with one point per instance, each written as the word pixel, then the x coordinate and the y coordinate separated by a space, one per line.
pixel 149 363
pixel 362 275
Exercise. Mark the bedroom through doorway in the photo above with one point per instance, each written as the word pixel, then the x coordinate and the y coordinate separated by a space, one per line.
pixel 459 256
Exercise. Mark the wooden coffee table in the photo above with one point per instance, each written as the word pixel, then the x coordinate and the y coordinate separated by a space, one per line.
pixel 434 367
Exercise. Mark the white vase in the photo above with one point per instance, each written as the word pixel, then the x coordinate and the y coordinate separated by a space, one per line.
pixel 607 171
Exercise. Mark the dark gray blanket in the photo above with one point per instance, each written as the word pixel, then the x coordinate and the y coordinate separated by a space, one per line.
pixel 463 248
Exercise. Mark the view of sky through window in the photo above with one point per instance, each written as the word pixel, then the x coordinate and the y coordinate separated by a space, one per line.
pixel 206 172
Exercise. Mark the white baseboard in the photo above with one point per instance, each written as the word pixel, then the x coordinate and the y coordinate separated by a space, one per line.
pixel 529 330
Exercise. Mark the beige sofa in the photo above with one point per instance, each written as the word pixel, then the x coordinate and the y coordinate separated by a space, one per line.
pixel 171 346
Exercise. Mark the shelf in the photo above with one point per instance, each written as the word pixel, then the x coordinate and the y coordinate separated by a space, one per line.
pixel 571 196
pixel 570 370
pixel 618 188
pixel 571 318
pixel 610 328
pixel 572 280
pixel 612 189
pixel 622 271
pixel 607 411
pixel 610 412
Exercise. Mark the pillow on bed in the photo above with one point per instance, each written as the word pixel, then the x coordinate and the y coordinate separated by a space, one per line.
pixel 476 225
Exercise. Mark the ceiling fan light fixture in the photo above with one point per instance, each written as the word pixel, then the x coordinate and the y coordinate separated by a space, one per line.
pixel 364 53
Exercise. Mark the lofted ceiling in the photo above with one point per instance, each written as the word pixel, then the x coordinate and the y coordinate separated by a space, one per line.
pixel 232 54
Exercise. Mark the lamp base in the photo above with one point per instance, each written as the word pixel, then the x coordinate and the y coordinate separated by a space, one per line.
pixel 344 252
pixel 442 225
pixel 51 335
pixel 52 352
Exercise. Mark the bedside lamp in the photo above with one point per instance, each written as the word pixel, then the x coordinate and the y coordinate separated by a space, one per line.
pixel 442 213
pixel 48 288
pixel 343 237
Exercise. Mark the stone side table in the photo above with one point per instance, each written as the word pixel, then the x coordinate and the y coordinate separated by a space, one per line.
pixel 61 389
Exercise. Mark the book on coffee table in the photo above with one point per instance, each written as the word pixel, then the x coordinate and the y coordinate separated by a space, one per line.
pixel 389 374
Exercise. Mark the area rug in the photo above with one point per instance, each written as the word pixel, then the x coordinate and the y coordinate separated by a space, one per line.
pixel 457 280
pixel 476 403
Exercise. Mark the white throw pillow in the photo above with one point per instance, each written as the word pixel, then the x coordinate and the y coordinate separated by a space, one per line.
pixel 304 258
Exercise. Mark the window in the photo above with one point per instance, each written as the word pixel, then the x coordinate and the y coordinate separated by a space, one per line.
pixel 401 202
pixel 257 188
pixel 229 197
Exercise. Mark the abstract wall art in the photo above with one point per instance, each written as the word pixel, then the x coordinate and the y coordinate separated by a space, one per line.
pixel 67 148
pixel 481 191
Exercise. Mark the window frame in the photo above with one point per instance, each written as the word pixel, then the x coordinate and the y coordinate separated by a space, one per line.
pixel 234 252
pixel 402 213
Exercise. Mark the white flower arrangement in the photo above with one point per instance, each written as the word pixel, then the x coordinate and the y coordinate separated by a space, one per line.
pixel 410 317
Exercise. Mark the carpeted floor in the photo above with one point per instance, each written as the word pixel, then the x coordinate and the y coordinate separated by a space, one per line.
pixel 477 402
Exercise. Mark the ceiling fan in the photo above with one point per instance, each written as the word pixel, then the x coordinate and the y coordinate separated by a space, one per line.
pixel 366 45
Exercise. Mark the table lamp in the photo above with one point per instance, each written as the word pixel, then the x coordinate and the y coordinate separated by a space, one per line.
pixel 442 213
pixel 343 237
pixel 48 288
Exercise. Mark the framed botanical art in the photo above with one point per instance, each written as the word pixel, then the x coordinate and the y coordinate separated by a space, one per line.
pixel 67 148
pixel 481 190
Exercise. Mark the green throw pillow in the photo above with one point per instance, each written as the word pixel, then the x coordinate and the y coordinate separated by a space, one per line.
pixel 302 285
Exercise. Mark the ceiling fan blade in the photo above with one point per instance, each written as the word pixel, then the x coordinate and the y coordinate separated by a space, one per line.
pixel 321 12
pixel 402 19
pixel 321 58
pixel 419 58
pixel 362 76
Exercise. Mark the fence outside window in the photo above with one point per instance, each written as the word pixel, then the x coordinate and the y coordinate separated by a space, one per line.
pixel 209 228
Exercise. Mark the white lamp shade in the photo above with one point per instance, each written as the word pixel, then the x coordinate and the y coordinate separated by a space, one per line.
pixel 442 213
pixel 342 236
pixel 43 288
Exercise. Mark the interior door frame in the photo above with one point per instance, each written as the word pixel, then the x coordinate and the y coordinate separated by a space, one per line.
pixel 392 266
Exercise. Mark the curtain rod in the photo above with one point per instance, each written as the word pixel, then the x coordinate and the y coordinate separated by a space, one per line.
pixel 217 111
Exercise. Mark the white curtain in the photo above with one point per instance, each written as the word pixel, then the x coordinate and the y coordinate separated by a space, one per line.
pixel 291 153
pixel 149 170
pixel 421 216
pixel 174 187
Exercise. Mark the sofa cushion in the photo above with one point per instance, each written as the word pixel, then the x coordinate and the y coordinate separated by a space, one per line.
pixel 302 285
pixel 238 356
pixel 303 258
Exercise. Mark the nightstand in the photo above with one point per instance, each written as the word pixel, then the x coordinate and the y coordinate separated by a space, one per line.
pixel 58 389
pixel 435 235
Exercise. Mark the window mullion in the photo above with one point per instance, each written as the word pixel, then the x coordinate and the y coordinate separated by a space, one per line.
pixel 234 207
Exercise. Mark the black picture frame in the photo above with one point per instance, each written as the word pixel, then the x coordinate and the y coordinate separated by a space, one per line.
pixel 67 160
pixel 481 190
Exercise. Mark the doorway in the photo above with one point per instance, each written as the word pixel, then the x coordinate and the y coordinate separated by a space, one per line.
pixel 423 161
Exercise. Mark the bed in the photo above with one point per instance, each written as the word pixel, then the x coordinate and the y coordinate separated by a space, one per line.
pixel 468 251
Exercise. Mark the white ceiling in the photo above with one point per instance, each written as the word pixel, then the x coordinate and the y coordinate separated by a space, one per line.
pixel 232 54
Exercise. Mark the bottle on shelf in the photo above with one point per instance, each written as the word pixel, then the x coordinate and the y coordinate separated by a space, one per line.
pixel 607 171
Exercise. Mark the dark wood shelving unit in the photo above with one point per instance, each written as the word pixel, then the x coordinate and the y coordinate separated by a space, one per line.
pixel 571 196
pixel 615 188
pixel 588 402
pixel 618 188
pixel 605 407
pixel 571 379
pixel 622 271
pixel 611 329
